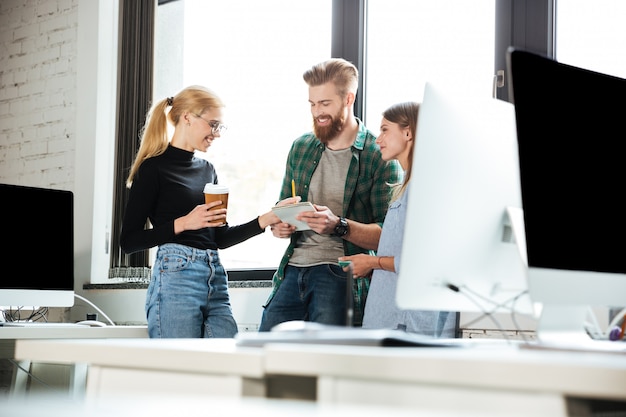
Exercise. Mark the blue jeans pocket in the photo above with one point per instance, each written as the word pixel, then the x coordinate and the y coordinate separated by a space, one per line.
pixel 174 262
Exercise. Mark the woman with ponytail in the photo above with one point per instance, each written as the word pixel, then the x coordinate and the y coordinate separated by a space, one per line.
pixel 188 292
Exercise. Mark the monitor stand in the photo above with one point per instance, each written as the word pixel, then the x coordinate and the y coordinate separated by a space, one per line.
pixel 560 327
pixel 563 324
pixel 563 328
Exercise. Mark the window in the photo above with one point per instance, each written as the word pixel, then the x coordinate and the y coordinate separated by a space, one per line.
pixel 591 35
pixel 252 54
pixel 410 42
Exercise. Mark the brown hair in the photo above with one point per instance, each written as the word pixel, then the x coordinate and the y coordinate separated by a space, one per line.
pixel 343 74
pixel 405 115
pixel 154 139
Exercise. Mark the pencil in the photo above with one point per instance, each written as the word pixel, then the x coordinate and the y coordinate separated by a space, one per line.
pixel 293 188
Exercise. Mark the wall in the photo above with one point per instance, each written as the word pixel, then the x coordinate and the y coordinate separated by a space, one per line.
pixel 38 40
pixel 58 77
pixel 126 306
pixel 38 66
pixel 57 101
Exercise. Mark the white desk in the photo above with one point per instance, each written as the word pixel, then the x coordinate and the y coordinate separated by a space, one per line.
pixel 76 372
pixel 167 367
pixel 487 381
pixel 8 335
pixel 154 406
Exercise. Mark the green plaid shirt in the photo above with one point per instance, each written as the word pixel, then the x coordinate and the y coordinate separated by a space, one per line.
pixel 366 196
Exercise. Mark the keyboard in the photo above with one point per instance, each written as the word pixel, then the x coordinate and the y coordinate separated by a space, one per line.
pixel 315 333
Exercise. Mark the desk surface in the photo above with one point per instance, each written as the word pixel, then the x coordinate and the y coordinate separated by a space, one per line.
pixel 9 335
pixel 500 367
pixel 163 406
pixel 217 356
pixel 72 331
pixel 481 379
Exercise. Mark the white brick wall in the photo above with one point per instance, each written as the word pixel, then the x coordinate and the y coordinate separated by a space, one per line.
pixel 38 40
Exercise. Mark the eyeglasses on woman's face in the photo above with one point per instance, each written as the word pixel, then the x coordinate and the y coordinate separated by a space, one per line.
pixel 216 127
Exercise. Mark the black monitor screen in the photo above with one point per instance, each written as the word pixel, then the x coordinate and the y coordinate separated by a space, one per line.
pixel 38 238
pixel 571 125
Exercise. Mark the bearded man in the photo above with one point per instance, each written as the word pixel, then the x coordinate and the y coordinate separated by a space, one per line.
pixel 339 168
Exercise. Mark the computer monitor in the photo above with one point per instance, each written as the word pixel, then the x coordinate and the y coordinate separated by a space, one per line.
pixel 571 129
pixel 38 262
pixel 460 252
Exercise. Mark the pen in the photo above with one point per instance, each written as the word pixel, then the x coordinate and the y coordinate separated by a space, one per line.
pixel 293 188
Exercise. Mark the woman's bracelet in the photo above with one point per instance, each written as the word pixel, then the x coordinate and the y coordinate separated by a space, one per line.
pixel 380 266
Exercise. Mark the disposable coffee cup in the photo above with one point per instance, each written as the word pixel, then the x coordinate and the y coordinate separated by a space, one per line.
pixel 216 192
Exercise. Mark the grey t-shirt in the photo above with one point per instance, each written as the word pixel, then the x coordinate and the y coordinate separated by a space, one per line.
pixel 327 188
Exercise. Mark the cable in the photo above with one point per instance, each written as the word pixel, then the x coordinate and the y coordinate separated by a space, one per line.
pixel 470 294
pixel 488 314
pixel 39 314
pixel 504 304
pixel 485 313
pixel 31 375
pixel 514 317
pixel 593 329
pixel 496 305
pixel 96 307
pixel 14 313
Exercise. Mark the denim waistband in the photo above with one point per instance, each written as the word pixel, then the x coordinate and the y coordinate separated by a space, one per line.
pixel 194 254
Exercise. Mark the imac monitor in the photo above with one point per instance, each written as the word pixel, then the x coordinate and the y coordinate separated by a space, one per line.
pixel 38 266
pixel 571 129
pixel 460 249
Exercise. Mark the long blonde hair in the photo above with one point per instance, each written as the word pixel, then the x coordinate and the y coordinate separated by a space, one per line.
pixel 195 99
pixel 405 115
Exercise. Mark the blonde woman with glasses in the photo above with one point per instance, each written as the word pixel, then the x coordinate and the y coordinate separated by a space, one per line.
pixel 188 292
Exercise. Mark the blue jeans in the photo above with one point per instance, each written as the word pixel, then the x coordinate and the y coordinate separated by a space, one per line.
pixel 316 293
pixel 188 295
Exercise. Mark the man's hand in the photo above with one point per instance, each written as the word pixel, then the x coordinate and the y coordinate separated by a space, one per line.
pixel 321 221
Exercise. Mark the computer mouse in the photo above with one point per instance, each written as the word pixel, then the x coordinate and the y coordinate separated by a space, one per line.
pixel 298 326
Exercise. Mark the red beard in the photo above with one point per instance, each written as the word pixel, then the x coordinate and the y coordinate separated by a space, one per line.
pixel 326 133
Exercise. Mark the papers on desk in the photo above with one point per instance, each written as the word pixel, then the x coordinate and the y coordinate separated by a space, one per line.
pixel 288 214
pixel 337 335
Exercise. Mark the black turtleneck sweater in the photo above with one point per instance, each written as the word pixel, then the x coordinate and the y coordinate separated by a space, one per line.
pixel 165 188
